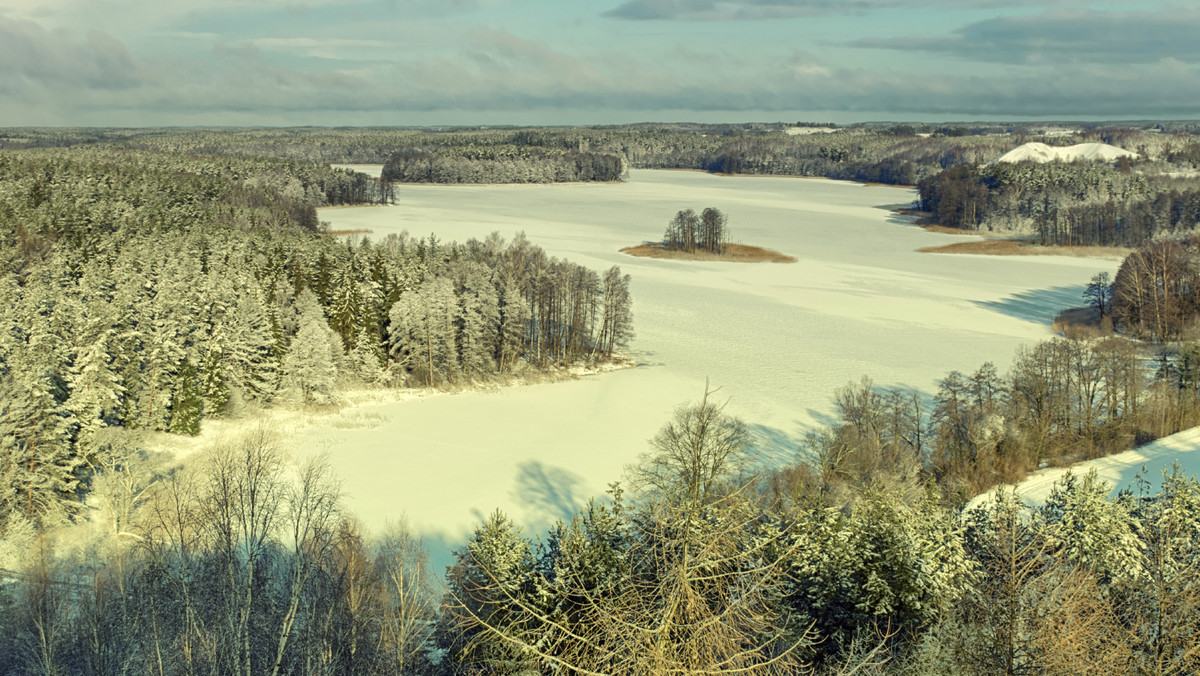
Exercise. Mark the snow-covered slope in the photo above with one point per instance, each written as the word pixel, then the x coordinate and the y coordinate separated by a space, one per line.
pixel 1119 470
pixel 1040 152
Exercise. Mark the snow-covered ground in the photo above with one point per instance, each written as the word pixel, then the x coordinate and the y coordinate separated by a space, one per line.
pixel 1040 152
pixel 372 170
pixel 808 131
pixel 1119 470
pixel 778 339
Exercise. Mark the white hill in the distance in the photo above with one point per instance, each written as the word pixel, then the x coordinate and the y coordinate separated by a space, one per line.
pixel 1040 152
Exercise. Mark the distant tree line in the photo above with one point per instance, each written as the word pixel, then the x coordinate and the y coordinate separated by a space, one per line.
pixel 1062 401
pixel 501 164
pixel 689 232
pixel 138 294
pixel 1063 204
pixel 893 154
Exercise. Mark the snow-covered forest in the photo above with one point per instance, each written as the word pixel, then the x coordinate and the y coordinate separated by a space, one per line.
pixel 238 566
pixel 1123 203
pixel 158 283
pixel 1078 203
pixel 146 290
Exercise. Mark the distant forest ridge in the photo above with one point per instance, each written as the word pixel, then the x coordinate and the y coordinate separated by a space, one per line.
pixel 1125 202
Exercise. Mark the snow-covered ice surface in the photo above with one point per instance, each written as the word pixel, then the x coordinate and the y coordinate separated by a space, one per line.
pixel 1119 470
pixel 778 339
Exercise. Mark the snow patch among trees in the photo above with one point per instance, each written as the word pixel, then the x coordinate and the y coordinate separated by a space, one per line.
pixel 1041 153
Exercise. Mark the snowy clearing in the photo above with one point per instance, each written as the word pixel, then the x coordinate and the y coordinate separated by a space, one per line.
pixel 372 170
pixel 778 340
pixel 808 131
pixel 1040 152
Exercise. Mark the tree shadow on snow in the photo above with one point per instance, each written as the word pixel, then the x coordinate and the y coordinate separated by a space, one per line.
pixel 440 548
pixel 905 219
pixel 1040 306
pixel 772 448
pixel 824 418
pixel 549 493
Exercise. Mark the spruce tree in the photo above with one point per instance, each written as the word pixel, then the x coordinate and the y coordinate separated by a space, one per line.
pixel 492 570
pixel 187 406
pixel 366 359
pixel 478 319
pixel 42 467
pixel 310 367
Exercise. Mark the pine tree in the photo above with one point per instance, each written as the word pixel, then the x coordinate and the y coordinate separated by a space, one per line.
pixel 513 330
pixel 616 325
pixel 1091 531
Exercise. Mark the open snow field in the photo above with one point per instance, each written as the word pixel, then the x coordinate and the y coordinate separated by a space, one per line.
pixel 778 339
pixel 372 170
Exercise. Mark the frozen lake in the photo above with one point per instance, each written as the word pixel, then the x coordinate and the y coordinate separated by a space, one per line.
pixel 778 339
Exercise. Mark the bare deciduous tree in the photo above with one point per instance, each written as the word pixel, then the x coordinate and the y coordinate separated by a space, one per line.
pixel 690 587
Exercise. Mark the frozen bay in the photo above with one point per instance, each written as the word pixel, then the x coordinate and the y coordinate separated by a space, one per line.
pixel 778 339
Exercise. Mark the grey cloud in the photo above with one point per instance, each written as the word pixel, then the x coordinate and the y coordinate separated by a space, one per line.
pixel 61 60
pixel 501 76
pixel 1066 37
pixel 732 10
pixel 750 10
pixel 517 81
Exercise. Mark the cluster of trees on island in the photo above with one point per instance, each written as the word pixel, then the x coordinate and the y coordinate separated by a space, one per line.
pixel 149 291
pixel 704 232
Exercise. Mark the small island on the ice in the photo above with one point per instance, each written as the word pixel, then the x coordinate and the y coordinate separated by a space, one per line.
pixel 703 237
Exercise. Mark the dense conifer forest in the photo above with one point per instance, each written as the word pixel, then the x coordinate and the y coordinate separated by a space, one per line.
pixel 156 279
pixel 1079 203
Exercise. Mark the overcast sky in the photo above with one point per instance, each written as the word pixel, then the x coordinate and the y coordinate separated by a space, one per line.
pixel 430 62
